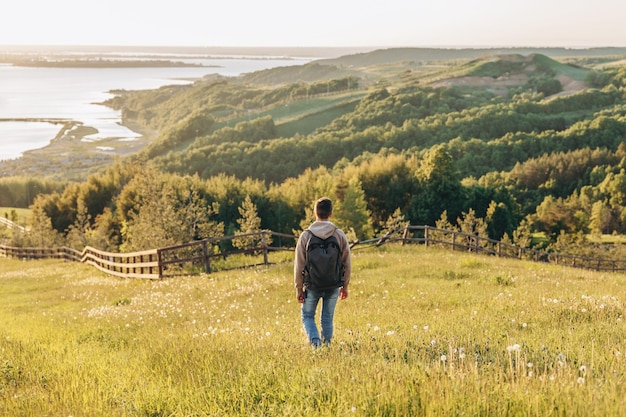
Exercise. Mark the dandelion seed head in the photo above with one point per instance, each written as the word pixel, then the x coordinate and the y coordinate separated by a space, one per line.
pixel 581 380
pixel 443 358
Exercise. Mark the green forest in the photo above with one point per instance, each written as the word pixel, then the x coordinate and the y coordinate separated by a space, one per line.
pixel 522 147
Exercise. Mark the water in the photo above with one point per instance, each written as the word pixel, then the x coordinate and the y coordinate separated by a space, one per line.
pixel 73 94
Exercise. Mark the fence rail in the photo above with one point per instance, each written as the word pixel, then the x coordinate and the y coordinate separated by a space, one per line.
pixel 157 263
pixel 199 256
pixel 10 224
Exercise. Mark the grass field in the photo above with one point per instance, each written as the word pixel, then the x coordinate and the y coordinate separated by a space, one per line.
pixel 23 215
pixel 425 332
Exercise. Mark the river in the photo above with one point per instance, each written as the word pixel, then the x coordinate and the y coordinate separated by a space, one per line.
pixel 43 94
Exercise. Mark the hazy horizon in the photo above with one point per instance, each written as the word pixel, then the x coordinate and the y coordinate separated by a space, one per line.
pixel 347 24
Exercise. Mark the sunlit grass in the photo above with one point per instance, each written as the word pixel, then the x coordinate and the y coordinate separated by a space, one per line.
pixel 424 332
pixel 23 215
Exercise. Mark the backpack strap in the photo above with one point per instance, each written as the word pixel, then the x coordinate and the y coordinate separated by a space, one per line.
pixel 306 247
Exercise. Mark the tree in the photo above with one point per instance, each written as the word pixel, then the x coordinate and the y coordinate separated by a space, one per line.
pixel 444 224
pixel 196 216
pixel 155 220
pixel 41 234
pixel 522 236
pixel 106 232
pixel 352 213
pixel 249 221
pixel 440 188
pixel 395 223
pixel 552 216
pixel 474 227
pixel 78 234
pixel 601 218
pixel 499 220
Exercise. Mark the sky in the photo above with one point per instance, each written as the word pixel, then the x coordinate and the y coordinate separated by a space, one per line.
pixel 335 23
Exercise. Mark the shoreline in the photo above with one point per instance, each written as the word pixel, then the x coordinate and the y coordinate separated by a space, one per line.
pixel 101 63
pixel 67 156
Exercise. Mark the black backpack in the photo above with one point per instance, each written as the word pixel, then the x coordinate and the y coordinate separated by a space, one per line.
pixel 323 268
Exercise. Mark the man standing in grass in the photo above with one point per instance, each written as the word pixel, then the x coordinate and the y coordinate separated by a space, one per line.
pixel 322 270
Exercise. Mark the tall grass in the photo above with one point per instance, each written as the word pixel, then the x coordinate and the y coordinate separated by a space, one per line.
pixel 424 332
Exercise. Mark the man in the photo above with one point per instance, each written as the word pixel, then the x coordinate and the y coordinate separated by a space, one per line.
pixel 306 292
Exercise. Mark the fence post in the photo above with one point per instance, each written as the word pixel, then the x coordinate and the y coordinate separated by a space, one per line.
pixel 405 235
pixel 426 235
pixel 264 244
pixel 205 254
pixel 159 262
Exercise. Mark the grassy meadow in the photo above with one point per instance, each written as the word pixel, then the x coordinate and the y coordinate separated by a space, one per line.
pixel 23 215
pixel 424 332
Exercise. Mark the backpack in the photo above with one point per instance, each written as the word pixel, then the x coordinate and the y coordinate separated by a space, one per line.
pixel 323 268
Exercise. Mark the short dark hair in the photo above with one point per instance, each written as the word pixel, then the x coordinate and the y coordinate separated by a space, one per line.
pixel 323 208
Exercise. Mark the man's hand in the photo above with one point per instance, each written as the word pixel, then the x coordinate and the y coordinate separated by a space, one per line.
pixel 300 295
pixel 343 293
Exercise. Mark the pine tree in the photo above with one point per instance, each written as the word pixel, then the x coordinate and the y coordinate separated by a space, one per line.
pixel 352 212
pixel 78 234
pixel 522 236
pixel 41 234
pixel 156 219
pixel 248 222
pixel 395 223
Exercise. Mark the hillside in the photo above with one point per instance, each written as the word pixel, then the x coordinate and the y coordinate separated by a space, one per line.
pixel 508 146
pixel 417 55
pixel 424 331
pixel 502 73
pixel 294 96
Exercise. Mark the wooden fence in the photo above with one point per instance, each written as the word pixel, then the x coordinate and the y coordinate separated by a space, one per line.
pixel 10 224
pixel 199 256
pixel 170 261
pixel 428 236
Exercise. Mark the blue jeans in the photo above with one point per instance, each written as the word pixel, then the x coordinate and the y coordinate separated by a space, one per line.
pixel 329 302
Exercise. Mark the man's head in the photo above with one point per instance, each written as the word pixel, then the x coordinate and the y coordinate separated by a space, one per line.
pixel 323 208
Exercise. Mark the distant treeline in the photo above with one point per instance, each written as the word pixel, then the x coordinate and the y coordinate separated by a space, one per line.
pixel 96 63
